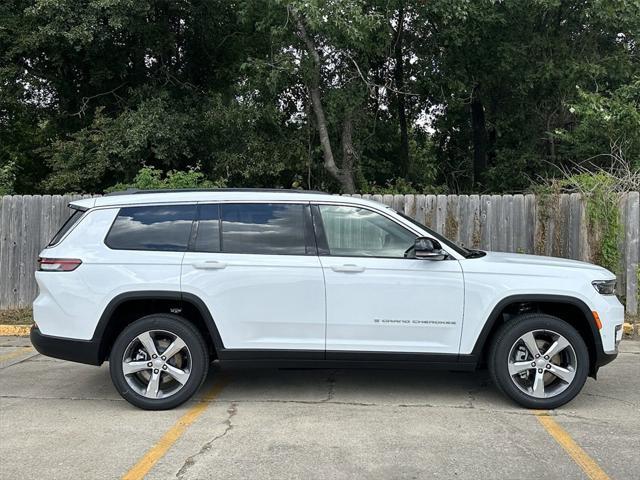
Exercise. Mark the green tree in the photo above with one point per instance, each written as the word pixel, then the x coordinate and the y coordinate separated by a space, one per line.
pixel 507 74
pixel 7 179
pixel 341 95
pixel 607 127
pixel 149 178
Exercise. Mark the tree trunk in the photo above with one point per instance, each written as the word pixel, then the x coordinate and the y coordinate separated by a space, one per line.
pixel 398 74
pixel 479 135
pixel 348 153
pixel 345 175
pixel 551 145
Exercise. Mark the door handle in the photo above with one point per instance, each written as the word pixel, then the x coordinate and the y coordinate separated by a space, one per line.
pixel 350 268
pixel 210 265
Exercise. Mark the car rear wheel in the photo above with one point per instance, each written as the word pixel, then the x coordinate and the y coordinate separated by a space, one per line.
pixel 158 362
pixel 539 361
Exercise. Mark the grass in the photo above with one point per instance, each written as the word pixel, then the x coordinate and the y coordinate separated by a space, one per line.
pixel 19 316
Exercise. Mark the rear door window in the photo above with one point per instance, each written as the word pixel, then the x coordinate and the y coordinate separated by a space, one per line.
pixel 263 228
pixel 157 227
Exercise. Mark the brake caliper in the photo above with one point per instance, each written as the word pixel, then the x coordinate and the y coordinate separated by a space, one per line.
pixel 521 356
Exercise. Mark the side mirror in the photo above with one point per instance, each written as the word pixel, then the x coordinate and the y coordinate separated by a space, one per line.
pixel 429 249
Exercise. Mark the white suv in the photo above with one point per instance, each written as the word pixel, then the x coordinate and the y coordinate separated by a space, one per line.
pixel 162 283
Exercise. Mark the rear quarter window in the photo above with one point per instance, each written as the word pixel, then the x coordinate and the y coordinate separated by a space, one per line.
pixel 66 226
pixel 157 227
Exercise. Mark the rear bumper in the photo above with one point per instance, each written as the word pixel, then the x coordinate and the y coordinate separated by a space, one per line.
pixel 81 351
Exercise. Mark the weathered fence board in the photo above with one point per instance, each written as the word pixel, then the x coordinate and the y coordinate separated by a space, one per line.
pixel 631 258
pixel 512 223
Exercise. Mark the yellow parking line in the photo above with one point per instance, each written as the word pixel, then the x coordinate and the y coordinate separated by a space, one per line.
pixel 560 435
pixel 15 353
pixel 158 451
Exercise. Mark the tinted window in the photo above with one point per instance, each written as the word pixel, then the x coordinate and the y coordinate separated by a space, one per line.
pixel 66 226
pixel 359 232
pixel 276 229
pixel 163 227
pixel 208 238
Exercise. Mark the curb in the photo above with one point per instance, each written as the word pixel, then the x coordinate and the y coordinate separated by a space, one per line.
pixel 15 330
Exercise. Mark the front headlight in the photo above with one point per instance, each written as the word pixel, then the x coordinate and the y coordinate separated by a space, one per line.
pixel 605 287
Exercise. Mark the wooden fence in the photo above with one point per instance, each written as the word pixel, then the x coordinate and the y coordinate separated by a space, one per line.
pixel 553 226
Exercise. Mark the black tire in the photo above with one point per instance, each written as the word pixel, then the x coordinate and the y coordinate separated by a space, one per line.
pixel 501 347
pixel 195 348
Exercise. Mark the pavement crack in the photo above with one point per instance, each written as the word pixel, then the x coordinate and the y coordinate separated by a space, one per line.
pixel 471 393
pixel 353 404
pixel 324 401
pixel 190 462
pixel 594 421
pixel 608 397
pixel 91 399
pixel 13 363
pixel 331 382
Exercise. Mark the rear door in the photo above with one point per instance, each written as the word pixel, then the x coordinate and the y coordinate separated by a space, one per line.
pixel 256 267
pixel 378 300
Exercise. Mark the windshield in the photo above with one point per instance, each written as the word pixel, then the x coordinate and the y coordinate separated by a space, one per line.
pixel 465 252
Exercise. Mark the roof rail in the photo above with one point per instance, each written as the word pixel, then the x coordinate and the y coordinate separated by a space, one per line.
pixel 136 191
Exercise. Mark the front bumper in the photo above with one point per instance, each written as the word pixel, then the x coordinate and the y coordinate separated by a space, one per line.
pixel 605 358
pixel 611 314
pixel 81 351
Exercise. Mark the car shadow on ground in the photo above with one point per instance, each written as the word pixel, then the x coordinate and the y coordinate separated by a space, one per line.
pixel 358 386
pixel 365 387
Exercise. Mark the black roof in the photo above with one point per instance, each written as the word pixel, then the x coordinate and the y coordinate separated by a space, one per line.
pixel 136 191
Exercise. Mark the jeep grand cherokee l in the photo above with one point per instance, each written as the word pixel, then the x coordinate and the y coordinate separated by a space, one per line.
pixel 160 284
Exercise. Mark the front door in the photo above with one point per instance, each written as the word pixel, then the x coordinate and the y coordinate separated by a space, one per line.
pixel 256 267
pixel 378 300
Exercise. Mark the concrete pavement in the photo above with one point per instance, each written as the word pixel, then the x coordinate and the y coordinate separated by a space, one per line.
pixel 64 420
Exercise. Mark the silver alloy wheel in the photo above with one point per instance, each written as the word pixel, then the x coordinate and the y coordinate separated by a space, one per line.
pixel 542 363
pixel 156 364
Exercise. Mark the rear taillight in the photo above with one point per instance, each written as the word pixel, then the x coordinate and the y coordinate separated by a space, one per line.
pixel 58 264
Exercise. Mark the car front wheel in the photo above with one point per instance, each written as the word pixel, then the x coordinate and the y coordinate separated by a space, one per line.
pixel 539 361
pixel 158 362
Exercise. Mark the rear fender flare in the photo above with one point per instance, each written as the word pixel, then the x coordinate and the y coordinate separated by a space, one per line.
pixel 179 297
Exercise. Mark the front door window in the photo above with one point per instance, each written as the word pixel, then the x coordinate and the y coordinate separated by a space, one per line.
pixel 358 232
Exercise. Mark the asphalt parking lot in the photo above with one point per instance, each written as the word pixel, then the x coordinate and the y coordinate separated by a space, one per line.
pixel 60 420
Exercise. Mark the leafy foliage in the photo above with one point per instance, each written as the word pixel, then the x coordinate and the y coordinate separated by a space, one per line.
pixel 608 123
pixel 603 215
pixel 149 178
pixel 7 178
pixel 447 96
pixel 601 192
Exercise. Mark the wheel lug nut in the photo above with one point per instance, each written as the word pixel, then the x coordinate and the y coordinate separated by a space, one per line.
pixel 539 370
pixel 149 364
pixel 154 356
pixel 548 366
pixel 546 357
pixel 164 367
pixel 533 364
pixel 163 357
pixel 537 355
pixel 155 370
